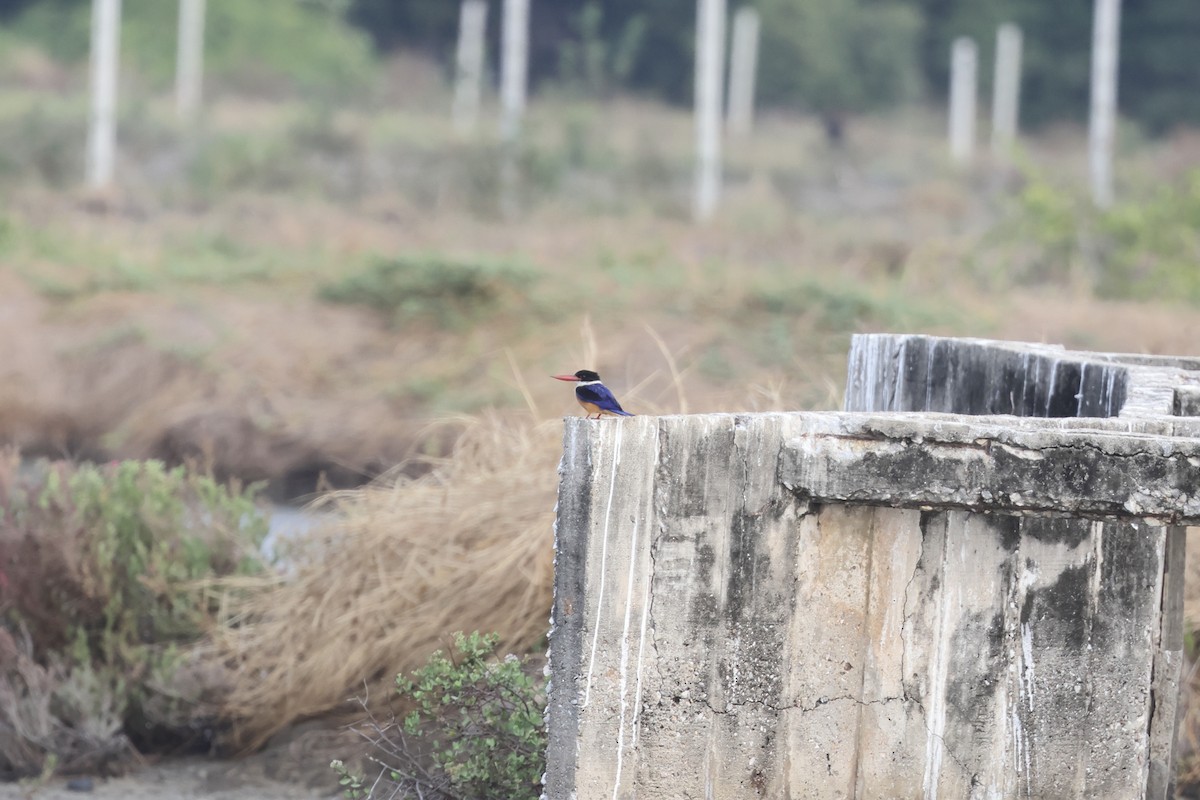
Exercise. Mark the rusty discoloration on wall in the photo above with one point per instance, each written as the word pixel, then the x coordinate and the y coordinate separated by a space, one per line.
pixel 832 605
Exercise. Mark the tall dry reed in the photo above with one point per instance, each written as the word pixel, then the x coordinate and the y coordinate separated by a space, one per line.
pixel 403 563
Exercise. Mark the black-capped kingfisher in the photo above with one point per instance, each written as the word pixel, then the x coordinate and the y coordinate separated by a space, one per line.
pixel 594 396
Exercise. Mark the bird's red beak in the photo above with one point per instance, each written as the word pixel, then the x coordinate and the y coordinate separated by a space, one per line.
pixel 564 377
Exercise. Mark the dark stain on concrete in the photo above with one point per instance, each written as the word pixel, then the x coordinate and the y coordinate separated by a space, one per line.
pixel 570 572
pixel 965 377
pixel 1051 530
pixel 1061 610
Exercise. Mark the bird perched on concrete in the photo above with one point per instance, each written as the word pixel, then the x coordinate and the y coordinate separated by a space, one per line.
pixel 594 396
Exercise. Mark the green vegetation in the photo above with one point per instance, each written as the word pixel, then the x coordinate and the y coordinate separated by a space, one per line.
pixel 1152 248
pixel 254 47
pixel 106 572
pixel 826 55
pixel 843 306
pixel 588 62
pixel 816 54
pixel 839 56
pixel 1157 74
pixel 432 288
pixel 227 231
pixel 480 724
pixel 1146 248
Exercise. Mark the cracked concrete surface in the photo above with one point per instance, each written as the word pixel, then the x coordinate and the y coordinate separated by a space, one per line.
pixel 873 606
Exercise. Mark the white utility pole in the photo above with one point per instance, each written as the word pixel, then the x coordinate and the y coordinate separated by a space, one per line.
pixel 189 65
pixel 468 78
pixel 102 123
pixel 514 67
pixel 710 57
pixel 1106 34
pixel 743 65
pixel 1006 89
pixel 962 100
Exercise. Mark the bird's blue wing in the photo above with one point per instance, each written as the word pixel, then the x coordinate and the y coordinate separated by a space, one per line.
pixel 599 394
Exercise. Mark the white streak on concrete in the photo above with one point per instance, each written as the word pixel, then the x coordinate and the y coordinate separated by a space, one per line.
pixel 1018 735
pixel 1098 569
pixel 612 488
pixel 936 724
pixel 648 585
pixel 637 697
pixel 630 580
pixel 1027 671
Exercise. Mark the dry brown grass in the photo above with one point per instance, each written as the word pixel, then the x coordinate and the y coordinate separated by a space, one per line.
pixel 467 546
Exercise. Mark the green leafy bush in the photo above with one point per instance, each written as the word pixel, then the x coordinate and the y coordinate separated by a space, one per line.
pixel 478 722
pixel 445 291
pixel 843 306
pixel 1047 221
pixel 103 575
pixel 588 61
pixel 1151 248
pixel 43 144
pixel 838 56
pixel 1142 248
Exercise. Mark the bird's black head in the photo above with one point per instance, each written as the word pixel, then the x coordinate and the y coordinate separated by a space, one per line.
pixel 587 375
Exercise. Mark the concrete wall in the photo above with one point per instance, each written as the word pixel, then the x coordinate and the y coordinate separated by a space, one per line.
pixel 901 372
pixel 869 605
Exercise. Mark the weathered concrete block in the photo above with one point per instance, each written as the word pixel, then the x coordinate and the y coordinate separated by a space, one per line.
pixel 1105 392
pixel 909 372
pixel 873 606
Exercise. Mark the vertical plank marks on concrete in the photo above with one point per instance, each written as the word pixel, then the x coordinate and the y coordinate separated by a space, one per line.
pixel 955 657
pixel 883 715
pixel 925 373
pixel 820 708
pixel 724 562
pixel 572 532
pixel 1168 667
pixel 1127 619
pixel 616 628
pixel 1057 609
pixel 1080 619
pixel 690 583
pixel 717 634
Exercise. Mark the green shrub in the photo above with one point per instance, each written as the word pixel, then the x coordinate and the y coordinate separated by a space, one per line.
pixel 43 144
pixel 103 572
pixel 1142 248
pixel 843 306
pixel 445 291
pixel 1047 221
pixel 1151 248
pixel 479 724
pixel 234 161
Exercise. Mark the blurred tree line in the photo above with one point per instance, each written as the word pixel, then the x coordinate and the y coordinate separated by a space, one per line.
pixel 843 55
pixel 830 56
